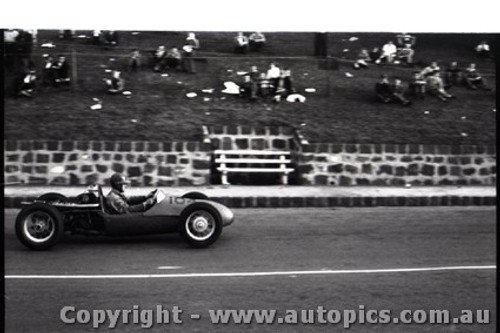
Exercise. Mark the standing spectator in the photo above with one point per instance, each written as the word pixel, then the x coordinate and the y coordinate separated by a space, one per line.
pixel 285 84
pixel 398 92
pixel 273 74
pixel 66 34
pixel 159 58
pixel 436 87
pixel 473 79
pixel 96 37
pixel 389 51
pixel 61 71
pixel 254 79
pixel 134 61
pixel 374 54
pixel 418 86
pixel 48 71
pixel 404 39
pixel 257 41
pixel 27 86
pixel 116 84
pixel 241 43
pixel 189 49
pixel 174 58
pixel 453 75
pixel 383 90
pixel 483 49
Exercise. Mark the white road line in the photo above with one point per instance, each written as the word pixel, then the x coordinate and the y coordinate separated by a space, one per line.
pixel 255 274
pixel 170 267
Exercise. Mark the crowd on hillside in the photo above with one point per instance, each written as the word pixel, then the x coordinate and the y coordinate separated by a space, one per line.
pixel 275 82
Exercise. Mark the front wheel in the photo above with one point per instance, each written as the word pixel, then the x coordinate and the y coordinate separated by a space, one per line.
pixel 201 225
pixel 39 226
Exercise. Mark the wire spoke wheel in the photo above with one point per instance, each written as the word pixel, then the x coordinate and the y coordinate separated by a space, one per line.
pixel 200 225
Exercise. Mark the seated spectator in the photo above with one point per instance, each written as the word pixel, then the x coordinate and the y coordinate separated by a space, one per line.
pixel 27 86
pixel 61 71
pixel 404 39
pixel 285 84
pixel 159 58
pixel 383 90
pixel 173 58
pixel 193 41
pixel 398 92
pixel 111 38
pixel 389 51
pixel 362 60
pixel 257 41
pixel 406 54
pixel 273 75
pixel 473 79
pixel 430 70
pixel 134 61
pixel 116 84
pixel 264 85
pixel 483 49
pixel 435 87
pixel 241 43
pixel 453 75
pixel 417 86
pixel 374 54
pixel 48 71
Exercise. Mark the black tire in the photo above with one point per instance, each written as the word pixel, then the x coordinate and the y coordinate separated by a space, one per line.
pixel 201 225
pixel 53 196
pixel 195 195
pixel 39 226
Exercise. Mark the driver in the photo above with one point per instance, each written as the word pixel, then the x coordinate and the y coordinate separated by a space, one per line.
pixel 118 203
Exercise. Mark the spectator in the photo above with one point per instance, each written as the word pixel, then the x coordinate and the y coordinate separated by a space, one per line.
pixel 406 54
pixel 66 34
pixel 116 84
pixel 404 39
pixel 398 92
pixel 246 87
pixel 112 38
pixel 134 61
pixel 430 70
pixel 173 58
pixel 418 86
pixel 286 82
pixel 254 79
pixel 473 79
pixel 264 85
pixel 362 60
pixel 61 71
pixel 241 43
pixel 48 71
pixel 257 41
pixel 27 86
pixel 159 58
pixel 435 87
pixel 453 75
pixel 389 51
pixel 383 90
pixel 96 37
pixel 483 49
pixel 374 54
pixel 273 75
pixel 189 49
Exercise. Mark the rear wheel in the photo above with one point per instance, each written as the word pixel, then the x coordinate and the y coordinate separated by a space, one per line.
pixel 39 226
pixel 201 225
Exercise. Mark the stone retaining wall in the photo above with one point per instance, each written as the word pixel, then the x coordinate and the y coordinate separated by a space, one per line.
pixel 189 163
pixel 75 163
pixel 391 164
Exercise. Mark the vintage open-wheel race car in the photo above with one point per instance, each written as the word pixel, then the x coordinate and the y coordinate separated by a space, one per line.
pixel 41 223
